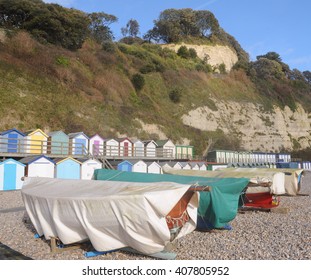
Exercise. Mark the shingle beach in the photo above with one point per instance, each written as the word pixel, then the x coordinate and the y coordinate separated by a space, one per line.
pixel 255 235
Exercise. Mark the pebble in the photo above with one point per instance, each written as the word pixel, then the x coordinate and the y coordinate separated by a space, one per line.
pixel 255 235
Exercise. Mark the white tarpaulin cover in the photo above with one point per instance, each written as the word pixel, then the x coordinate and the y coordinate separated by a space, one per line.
pixel 255 175
pixel 112 215
pixel 292 178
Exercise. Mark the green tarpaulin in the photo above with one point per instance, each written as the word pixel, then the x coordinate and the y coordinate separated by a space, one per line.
pixel 216 208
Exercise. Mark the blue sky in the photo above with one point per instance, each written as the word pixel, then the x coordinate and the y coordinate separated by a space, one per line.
pixel 282 26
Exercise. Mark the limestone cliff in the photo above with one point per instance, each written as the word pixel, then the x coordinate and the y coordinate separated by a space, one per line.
pixel 258 130
pixel 214 55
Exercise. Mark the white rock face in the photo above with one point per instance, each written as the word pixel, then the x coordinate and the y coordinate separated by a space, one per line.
pixel 259 130
pixel 215 55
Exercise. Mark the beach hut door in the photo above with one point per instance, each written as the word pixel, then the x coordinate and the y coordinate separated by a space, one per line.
pixel 9 177
pixel 126 149
pixel 96 148
pixel 12 143
pixel 79 146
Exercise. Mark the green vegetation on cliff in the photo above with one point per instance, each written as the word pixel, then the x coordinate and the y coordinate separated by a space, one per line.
pixel 91 83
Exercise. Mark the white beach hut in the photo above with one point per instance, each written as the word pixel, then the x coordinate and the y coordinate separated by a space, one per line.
pixel 138 148
pixel 111 147
pixel 154 167
pixel 39 166
pixel 87 168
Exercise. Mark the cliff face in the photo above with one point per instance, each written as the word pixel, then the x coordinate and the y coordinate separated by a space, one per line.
pixel 258 130
pixel 214 55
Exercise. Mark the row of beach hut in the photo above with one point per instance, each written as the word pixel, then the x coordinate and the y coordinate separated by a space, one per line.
pixel 12 170
pixel 80 144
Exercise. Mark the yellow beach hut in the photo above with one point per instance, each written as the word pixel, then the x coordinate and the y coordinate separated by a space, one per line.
pixel 36 142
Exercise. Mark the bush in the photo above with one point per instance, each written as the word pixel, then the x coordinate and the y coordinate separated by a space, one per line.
pixel 175 95
pixel 222 68
pixel 183 52
pixel 193 53
pixel 61 60
pixel 109 47
pixel 138 81
pixel 202 67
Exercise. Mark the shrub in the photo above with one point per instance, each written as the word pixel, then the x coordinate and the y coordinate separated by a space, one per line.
pixel 175 95
pixel 202 67
pixel 222 68
pixel 192 53
pixel 61 60
pixel 138 81
pixel 183 52
pixel 109 47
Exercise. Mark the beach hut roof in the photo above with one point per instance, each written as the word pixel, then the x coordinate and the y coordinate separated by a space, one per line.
pixel 183 164
pixel 146 142
pixel 31 132
pixel 192 164
pixel 153 162
pixel 60 160
pixel 52 133
pixel 123 139
pixel 31 159
pixel 76 134
pixel 12 130
pixel 96 135
pixel 161 143
pixel 83 160
pixel 15 161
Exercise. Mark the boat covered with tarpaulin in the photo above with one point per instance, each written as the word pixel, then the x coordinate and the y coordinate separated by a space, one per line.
pixel 263 189
pixel 216 208
pixel 111 215
pixel 292 178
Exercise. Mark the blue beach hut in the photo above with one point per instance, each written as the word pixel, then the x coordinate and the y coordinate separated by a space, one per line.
pixel 79 143
pixel 11 173
pixel 68 168
pixel 11 141
pixel 125 166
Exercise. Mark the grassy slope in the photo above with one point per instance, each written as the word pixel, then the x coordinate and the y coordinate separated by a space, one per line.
pixel 91 90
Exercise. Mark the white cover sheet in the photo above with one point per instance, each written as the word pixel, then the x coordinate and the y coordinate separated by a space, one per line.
pixel 256 176
pixel 112 215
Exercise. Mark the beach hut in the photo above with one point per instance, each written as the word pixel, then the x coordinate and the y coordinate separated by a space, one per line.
pixel 175 164
pixel 154 167
pixel 39 166
pixel 139 166
pixel 58 143
pixel 67 168
pixel 185 165
pixel 132 166
pixel 87 168
pixel 166 148
pixel 138 148
pixel 79 143
pixel 111 147
pixel 150 148
pixel 202 166
pixel 125 165
pixel 125 147
pixel 12 141
pixel 36 142
pixel 96 145
pixel 214 166
pixel 184 152
pixel 194 165
pixel 11 173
